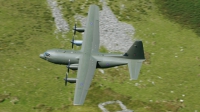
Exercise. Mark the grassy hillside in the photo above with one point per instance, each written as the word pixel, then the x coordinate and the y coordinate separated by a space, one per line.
pixel 185 12
pixel 28 83
pixel 174 54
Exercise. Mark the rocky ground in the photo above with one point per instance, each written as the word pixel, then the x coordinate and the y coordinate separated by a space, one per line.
pixel 60 23
pixel 122 106
pixel 114 35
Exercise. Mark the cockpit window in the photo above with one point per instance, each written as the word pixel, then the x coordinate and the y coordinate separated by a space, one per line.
pixel 47 54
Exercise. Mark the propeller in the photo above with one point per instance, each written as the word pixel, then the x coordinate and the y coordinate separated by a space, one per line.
pixel 74 29
pixel 72 41
pixel 66 79
pixel 67 73
pixel 68 66
pixel 73 36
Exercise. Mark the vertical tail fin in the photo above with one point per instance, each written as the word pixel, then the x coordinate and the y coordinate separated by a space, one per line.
pixel 136 51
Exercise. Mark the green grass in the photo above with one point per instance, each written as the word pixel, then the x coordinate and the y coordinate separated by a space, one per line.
pixel 185 12
pixel 28 83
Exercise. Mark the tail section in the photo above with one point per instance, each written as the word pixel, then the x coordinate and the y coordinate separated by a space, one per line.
pixel 136 54
pixel 134 67
pixel 136 51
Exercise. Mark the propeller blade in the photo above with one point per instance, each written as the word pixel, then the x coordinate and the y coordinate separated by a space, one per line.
pixel 66 79
pixel 68 66
pixel 74 29
pixel 73 36
pixel 65 83
pixel 67 72
pixel 72 44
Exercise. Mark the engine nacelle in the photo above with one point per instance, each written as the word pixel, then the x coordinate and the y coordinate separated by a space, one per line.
pixel 80 29
pixel 78 42
pixel 73 66
pixel 71 80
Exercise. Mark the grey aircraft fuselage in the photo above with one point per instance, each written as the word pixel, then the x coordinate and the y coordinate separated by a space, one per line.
pixel 62 56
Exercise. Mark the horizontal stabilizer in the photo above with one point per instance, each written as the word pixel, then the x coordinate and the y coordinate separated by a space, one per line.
pixel 134 67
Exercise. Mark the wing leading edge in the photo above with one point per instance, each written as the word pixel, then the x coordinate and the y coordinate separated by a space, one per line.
pixel 91 35
pixel 85 76
pixel 87 64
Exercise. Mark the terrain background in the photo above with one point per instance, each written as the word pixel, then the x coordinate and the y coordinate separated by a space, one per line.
pixel 168 81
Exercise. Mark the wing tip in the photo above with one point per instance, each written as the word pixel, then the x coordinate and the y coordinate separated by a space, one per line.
pixel 77 104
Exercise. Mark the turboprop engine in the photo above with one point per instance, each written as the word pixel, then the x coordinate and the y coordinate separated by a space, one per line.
pixel 73 66
pixel 77 42
pixel 71 80
pixel 79 29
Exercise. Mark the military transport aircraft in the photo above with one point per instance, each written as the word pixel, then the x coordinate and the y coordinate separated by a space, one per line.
pixel 89 58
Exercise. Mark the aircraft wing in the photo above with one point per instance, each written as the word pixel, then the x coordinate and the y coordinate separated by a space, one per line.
pixel 92 30
pixel 86 71
pixel 87 64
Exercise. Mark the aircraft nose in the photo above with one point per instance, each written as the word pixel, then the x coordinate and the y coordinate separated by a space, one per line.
pixel 42 56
